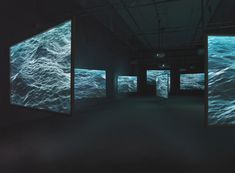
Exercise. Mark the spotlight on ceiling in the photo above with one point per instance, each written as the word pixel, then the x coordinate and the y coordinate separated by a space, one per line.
pixel 160 55
pixel 163 66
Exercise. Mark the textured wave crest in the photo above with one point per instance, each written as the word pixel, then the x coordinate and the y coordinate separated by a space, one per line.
pixel 127 84
pixel 41 70
pixel 221 81
pixel 192 81
pixel 153 74
pixel 162 82
pixel 90 83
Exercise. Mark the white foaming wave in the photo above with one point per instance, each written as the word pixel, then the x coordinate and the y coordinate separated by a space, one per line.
pixel 46 75
pixel 89 84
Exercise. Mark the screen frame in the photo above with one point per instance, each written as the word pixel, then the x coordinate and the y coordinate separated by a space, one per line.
pixel 193 89
pixel 168 77
pixel 206 82
pixel 34 109
pixel 106 84
pixel 154 69
pixel 126 93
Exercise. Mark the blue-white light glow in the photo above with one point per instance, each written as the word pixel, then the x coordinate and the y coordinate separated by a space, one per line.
pixel 221 80
pixel 153 74
pixel 89 83
pixel 192 81
pixel 127 84
pixel 162 85
pixel 41 70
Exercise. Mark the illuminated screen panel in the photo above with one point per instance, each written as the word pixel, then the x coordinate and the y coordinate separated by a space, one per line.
pixel 127 84
pixel 153 74
pixel 221 80
pixel 151 77
pixel 41 70
pixel 162 85
pixel 192 81
pixel 89 83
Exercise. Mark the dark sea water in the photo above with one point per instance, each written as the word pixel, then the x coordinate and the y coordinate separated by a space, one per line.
pixel 153 74
pixel 40 70
pixel 162 85
pixel 127 84
pixel 192 81
pixel 221 80
pixel 89 83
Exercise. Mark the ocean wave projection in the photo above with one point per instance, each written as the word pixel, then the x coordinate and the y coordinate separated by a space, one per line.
pixel 162 85
pixel 127 84
pixel 41 70
pixel 153 74
pixel 192 81
pixel 221 80
pixel 89 83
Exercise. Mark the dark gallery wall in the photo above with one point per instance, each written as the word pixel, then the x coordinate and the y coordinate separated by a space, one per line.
pixel 2 72
pixel 22 20
pixel 175 79
pixel 98 48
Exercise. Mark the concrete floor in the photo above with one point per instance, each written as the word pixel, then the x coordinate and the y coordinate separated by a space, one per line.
pixel 123 135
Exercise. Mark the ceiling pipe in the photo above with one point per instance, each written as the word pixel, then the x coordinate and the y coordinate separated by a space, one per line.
pixel 134 20
pixel 152 3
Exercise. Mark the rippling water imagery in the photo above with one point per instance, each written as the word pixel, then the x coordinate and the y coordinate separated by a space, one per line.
pixel 221 80
pixel 127 84
pixel 41 70
pixel 89 83
pixel 162 85
pixel 152 75
pixel 192 81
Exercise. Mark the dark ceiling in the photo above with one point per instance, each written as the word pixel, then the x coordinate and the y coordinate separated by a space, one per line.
pixel 160 24
pixel 165 24
pixel 177 27
pixel 146 26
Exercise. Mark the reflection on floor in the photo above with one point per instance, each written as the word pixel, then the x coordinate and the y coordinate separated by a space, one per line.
pixel 132 133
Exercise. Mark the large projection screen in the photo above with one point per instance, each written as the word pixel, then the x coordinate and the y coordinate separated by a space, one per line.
pixel 127 84
pixel 153 74
pixel 194 81
pixel 162 85
pixel 40 76
pixel 221 80
pixel 89 83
